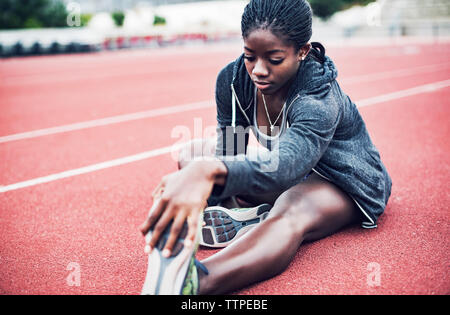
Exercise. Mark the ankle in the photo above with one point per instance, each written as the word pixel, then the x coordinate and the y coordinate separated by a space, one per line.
pixel 243 204
pixel 202 281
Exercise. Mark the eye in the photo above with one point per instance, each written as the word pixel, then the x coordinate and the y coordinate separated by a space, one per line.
pixel 276 61
pixel 249 58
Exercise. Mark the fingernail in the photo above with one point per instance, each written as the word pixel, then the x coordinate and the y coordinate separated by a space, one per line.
pixel 147 249
pixel 166 253
pixel 188 243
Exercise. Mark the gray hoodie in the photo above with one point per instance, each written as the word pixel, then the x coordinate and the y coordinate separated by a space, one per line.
pixel 326 135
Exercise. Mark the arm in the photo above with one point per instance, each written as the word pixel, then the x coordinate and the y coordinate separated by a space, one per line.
pixel 300 148
pixel 213 168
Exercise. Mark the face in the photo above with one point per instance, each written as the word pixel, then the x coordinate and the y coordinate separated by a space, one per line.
pixel 271 63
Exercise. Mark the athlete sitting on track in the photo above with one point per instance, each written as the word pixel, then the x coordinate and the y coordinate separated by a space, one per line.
pixel 321 171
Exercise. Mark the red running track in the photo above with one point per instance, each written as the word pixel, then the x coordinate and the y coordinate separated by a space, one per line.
pixel 91 219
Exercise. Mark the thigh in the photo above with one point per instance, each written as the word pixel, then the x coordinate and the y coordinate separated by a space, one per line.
pixel 319 206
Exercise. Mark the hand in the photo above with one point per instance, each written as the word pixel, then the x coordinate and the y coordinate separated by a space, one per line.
pixel 179 196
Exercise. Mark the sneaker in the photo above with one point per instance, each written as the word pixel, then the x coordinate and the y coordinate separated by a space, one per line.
pixel 191 283
pixel 176 274
pixel 223 226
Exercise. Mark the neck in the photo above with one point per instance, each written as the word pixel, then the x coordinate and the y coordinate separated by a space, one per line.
pixel 277 99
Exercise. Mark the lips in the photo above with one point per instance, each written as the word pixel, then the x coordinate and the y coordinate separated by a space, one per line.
pixel 262 85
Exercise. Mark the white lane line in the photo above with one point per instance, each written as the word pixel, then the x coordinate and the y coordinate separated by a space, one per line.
pixel 92 168
pixel 427 88
pixel 394 74
pixel 198 105
pixel 108 121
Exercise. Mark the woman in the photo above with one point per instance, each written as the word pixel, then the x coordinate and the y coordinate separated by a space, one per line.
pixel 321 171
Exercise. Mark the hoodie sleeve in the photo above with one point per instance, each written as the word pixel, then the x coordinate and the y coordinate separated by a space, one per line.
pixel 313 123
pixel 230 141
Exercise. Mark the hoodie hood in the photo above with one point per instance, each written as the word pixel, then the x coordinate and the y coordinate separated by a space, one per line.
pixel 313 77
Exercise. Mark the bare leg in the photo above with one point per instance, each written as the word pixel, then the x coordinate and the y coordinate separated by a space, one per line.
pixel 310 210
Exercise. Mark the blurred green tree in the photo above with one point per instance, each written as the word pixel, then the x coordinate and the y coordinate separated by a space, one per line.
pixel 349 3
pixel 324 9
pixel 118 17
pixel 85 19
pixel 32 14
pixel 54 14
pixel 159 20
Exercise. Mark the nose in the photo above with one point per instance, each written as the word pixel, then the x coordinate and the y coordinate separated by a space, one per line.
pixel 260 70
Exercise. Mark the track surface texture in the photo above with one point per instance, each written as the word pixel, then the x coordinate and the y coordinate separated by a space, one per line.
pixel 78 234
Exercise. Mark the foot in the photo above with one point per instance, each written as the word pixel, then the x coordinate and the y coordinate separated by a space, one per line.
pixel 176 274
pixel 223 226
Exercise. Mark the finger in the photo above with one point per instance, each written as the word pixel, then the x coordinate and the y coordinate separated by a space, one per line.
pixel 177 227
pixel 161 225
pixel 158 189
pixel 193 221
pixel 155 212
pixel 145 226
pixel 157 192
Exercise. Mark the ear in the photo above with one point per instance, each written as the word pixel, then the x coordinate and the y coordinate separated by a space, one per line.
pixel 304 51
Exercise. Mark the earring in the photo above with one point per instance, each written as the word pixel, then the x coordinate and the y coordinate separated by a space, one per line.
pixel 303 57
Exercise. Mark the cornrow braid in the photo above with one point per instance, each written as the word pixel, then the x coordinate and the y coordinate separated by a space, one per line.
pixel 288 19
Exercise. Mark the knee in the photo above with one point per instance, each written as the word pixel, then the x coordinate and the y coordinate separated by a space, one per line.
pixel 298 213
pixel 286 241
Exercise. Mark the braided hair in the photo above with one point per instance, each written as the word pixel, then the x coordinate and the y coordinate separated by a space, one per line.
pixel 291 20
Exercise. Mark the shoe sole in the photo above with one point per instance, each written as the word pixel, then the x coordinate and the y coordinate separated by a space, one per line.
pixel 223 226
pixel 165 276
